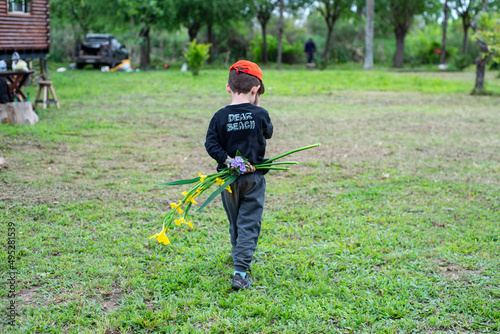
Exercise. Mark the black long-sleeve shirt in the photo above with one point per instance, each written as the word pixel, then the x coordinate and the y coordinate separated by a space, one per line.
pixel 239 127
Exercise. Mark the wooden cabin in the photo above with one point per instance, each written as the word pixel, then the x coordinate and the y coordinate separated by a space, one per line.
pixel 24 28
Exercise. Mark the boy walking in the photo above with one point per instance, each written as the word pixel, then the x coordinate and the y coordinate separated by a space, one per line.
pixel 242 126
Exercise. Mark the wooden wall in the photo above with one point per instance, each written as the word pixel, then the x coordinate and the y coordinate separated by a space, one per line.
pixel 28 32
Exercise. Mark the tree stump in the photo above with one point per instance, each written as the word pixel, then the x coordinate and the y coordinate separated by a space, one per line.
pixel 19 113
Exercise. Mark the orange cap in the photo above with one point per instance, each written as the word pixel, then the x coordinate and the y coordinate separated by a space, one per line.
pixel 247 67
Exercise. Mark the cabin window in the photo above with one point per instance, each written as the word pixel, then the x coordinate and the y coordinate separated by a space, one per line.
pixel 19 6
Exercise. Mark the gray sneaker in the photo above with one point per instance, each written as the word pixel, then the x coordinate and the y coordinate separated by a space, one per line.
pixel 241 283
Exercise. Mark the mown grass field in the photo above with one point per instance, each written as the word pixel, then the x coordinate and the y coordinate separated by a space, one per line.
pixel 390 226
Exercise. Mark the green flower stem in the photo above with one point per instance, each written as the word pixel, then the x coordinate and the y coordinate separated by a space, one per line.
pixel 264 164
pixel 273 168
pixel 293 151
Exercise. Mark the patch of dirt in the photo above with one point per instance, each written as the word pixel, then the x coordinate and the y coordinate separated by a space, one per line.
pixel 205 326
pixel 109 301
pixel 28 296
pixel 454 271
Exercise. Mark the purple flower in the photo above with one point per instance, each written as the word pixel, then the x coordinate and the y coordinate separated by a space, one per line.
pixel 239 164
pixel 238 159
pixel 243 168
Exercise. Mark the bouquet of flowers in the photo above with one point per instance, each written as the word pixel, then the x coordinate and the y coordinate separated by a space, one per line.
pixel 178 213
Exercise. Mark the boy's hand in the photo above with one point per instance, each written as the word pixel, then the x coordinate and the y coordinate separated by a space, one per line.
pixel 250 168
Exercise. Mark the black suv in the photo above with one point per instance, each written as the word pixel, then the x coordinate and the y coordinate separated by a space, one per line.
pixel 100 49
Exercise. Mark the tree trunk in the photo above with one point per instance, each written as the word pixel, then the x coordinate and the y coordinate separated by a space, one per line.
pixel 144 34
pixel 466 25
pixel 445 26
pixel 480 73
pixel 265 58
pixel 280 37
pixel 370 14
pixel 209 39
pixel 400 46
pixel 193 31
pixel 326 52
pixel 483 57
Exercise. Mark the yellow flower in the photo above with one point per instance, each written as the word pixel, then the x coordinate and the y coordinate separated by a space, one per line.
pixel 189 223
pixel 198 191
pixel 173 205
pixel 202 177
pixel 180 211
pixel 161 237
pixel 184 193
pixel 177 222
pixel 228 188
pixel 191 199
pixel 219 181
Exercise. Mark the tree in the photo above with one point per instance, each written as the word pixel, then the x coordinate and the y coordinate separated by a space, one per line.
pixel 487 34
pixel 221 12
pixel 280 35
pixel 142 15
pixel 84 16
pixel 445 25
pixel 370 19
pixel 291 6
pixel 400 14
pixel 191 14
pixel 264 10
pixel 331 10
pixel 466 10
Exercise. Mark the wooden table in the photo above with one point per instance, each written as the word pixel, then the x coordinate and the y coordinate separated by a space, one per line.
pixel 16 81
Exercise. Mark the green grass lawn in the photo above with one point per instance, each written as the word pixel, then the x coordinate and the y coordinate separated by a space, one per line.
pixel 390 226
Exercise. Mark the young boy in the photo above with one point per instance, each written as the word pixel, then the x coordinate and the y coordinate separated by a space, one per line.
pixel 242 126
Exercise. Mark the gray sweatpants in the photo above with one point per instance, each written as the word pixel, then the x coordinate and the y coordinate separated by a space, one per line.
pixel 244 207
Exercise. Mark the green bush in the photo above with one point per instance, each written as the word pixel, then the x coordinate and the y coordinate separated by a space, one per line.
pixel 196 55
pixel 62 47
pixel 291 54
pixel 422 46
pixel 460 61
pixel 167 46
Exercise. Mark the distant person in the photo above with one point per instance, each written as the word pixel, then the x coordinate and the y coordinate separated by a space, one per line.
pixel 310 50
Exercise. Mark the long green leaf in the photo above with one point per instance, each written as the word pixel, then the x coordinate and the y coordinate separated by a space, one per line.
pixel 293 151
pixel 273 168
pixel 277 163
pixel 210 198
pixel 179 182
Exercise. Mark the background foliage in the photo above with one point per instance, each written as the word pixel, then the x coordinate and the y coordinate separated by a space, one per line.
pixel 235 32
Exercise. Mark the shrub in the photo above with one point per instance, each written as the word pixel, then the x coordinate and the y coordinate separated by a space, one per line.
pixel 460 61
pixel 291 53
pixel 196 55
pixel 63 44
